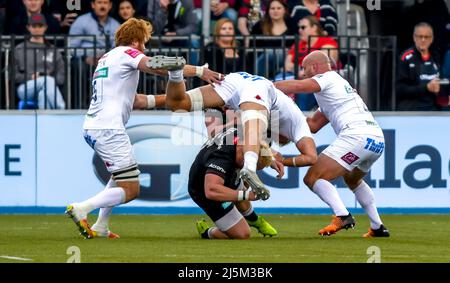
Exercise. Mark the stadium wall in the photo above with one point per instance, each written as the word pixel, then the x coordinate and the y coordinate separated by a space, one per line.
pixel 45 164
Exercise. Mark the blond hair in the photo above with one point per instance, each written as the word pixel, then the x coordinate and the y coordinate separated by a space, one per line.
pixel 265 155
pixel 133 30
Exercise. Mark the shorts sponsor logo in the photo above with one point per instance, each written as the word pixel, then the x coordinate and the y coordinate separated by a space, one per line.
pixel 374 146
pixel 349 158
pixel 217 167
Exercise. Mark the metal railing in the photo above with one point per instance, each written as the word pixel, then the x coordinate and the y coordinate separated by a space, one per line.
pixel 367 62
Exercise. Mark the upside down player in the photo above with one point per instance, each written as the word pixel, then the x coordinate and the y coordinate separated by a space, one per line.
pixel 114 87
pixel 359 143
pixel 215 186
pixel 256 98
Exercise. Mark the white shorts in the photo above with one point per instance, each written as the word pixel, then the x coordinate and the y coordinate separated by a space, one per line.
pixel 234 91
pixel 229 220
pixel 113 147
pixel 356 150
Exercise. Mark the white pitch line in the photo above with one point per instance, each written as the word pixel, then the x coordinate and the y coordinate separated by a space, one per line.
pixel 15 258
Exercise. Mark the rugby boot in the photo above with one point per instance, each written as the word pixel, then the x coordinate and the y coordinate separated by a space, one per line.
pixel 104 234
pixel 380 232
pixel 166 63
pixel 263 227
pixel 255 183
pixel 80 219
pixel 338 223
pixel 202 228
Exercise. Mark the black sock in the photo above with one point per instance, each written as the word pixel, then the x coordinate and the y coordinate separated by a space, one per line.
pixel 252 217
pixel 205 234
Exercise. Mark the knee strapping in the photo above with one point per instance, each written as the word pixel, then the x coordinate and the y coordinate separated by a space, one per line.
pixel 196 99
pixel 248 115
pixel 128 174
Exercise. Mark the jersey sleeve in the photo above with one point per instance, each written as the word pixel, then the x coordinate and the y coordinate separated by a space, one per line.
pixel 132 58
pixel 220 164
pixel 324 80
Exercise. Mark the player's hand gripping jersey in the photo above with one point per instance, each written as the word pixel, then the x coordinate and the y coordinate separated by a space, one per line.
pixel 114 86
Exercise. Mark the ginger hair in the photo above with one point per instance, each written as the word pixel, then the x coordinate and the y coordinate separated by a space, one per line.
pixel 133 30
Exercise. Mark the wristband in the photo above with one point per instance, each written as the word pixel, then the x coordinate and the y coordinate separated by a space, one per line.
pixel 243 195
pixel 151 101
pixel 199 70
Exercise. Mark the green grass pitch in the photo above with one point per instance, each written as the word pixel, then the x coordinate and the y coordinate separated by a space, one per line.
pixel 173 238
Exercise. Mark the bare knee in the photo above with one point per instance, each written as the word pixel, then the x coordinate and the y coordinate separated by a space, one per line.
pixel 352 183
pixel 242 235
pixel 310 179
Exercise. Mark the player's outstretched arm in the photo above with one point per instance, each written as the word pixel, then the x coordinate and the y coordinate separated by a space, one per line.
pixel 317 121
pixel 143 101
pixel 215 190
pixel 298 86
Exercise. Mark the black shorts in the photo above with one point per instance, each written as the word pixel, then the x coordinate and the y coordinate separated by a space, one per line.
pixel 214 209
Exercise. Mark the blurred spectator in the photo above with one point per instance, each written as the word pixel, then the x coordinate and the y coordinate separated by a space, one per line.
pixel 66 17
pixel 139 6
pixel 250 12
pixel 323 10
pixel 275 22
pixel 17 23
pixel 312 37
pixel 173 17
pixel 39 67
pixel 126 10
pixel 223 9
pixel 97 23
pixel 223 55
pixel 418 73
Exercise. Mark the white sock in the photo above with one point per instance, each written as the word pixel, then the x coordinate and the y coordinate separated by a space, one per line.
pixel 102 223
pixel 328 193
pixel 106 198
pixel 364 195
pixel 248 211
pixel 250 160
pixel 210 232
pixel 176 76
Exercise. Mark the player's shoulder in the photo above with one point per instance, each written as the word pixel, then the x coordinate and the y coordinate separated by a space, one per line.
pixel 407 54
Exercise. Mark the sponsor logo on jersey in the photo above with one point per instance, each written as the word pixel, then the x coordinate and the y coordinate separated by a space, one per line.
pixel 101 73
pixel 350 157
pixel 217 167
pixel 133 52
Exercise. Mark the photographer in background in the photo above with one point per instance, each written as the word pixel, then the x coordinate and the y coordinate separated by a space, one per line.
pixel 39 68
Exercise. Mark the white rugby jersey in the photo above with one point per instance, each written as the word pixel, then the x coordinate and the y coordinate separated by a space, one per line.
pixel 114 86
pixel 341 104
pixel 243 87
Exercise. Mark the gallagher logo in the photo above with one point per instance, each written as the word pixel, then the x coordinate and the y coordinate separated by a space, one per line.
pixel 163 160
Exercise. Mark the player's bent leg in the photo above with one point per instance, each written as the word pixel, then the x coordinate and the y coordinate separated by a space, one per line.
pixel 366 198
pixel 317 179
pixel 177 98
pixel 240 230
pixel 254 220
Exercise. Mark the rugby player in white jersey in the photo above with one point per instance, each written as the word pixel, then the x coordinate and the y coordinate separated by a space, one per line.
pixel 114 85
pixel 359 143
pixel 257 98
